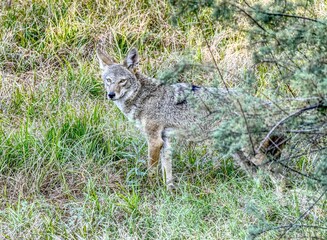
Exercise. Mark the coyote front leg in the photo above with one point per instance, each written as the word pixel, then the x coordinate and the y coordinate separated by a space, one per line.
pixel 154 148
pixel 166 164
pixel 155 144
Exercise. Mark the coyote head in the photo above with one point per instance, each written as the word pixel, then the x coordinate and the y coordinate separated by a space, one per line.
pixel 119 79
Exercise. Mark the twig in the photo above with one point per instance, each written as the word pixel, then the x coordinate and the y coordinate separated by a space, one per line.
pixel 284 120
pixel 286 226
pixel 222 78
pixel 303 215
pixel 298 172
pixel 212 56
pixel 284 15
pixel 247 126
pixel 292 157
pixel 249 16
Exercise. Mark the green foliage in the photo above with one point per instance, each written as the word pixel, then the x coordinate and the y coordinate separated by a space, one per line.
pixel 292 47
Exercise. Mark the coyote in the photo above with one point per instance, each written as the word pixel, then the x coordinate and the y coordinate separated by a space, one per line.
pixel 161 111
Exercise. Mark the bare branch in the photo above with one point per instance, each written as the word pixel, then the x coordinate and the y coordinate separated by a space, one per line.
pixel 302 215
pixel 297 113
pixel 284 15
pixel 286 226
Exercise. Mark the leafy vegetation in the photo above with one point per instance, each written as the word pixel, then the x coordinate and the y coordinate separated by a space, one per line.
pixel 287 40
pixel 72 166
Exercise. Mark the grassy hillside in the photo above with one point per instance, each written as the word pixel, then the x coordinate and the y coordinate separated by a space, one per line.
pixel 72 167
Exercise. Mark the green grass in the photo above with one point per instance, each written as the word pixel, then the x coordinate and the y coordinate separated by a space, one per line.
pixel 72 167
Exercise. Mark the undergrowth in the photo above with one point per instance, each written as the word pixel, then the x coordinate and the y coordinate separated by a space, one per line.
pixel 72 167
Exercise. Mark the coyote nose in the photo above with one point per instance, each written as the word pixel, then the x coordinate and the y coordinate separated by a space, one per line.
pixel 111 95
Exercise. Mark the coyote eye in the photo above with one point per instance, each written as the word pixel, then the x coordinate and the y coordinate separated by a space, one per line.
pixel 108 79
pixel 123 82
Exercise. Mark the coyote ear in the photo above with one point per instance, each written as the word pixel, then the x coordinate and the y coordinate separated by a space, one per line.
pixel 104 59
pixel 132 59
